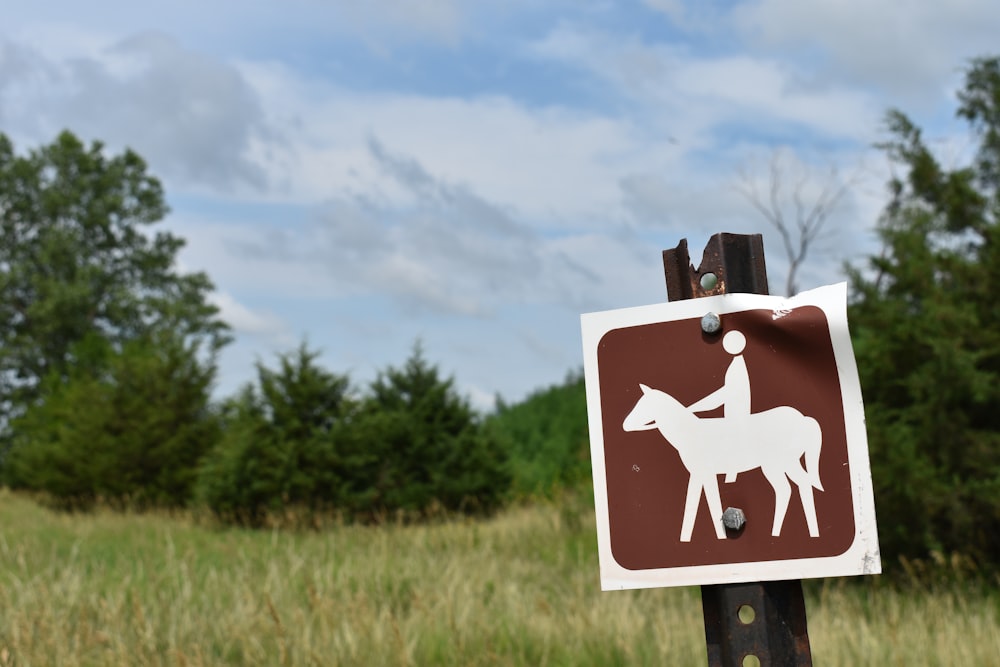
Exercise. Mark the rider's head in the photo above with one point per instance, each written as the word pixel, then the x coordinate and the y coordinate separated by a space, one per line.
pixel 734 342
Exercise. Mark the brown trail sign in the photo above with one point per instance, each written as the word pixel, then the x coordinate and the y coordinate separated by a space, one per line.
pixel 733 400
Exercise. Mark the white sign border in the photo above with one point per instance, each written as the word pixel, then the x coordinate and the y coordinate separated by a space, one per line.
pixel 862 557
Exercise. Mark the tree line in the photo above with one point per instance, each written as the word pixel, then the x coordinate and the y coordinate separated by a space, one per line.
pixel 143 432
pixel 107 357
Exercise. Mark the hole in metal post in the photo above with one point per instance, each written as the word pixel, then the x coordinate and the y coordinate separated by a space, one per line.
pixel 751 661
pixel 709 281
pixel 746 614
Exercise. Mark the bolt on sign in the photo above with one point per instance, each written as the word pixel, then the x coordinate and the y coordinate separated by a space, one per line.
pixel 728 441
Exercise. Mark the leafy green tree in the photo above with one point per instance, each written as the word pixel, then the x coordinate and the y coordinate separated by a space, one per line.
pixel 430 447
pixel 75 262
pixel 926 320
pixel 129 427
pixel 288 442
pixel 546 437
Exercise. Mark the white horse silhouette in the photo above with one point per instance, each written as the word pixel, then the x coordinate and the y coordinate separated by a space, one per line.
pixel 774 441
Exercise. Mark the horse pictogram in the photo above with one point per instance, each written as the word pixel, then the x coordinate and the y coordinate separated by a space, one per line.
pixel 776 441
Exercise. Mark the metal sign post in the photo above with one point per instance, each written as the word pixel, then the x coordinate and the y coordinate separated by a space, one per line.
pixel 762 620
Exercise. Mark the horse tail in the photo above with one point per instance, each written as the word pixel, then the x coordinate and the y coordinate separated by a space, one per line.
pixel 813 446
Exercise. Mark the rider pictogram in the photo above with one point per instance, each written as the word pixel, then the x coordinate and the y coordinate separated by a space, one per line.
pixel 734 394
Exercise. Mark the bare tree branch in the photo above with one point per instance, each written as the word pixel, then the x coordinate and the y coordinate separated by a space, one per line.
pixel 809 213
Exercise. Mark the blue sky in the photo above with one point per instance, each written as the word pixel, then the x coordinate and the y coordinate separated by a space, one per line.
pixel 477 173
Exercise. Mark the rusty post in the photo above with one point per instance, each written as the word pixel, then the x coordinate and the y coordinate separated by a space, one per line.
pixel 762 619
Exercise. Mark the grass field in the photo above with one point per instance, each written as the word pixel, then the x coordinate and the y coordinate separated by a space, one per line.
pixel 520 589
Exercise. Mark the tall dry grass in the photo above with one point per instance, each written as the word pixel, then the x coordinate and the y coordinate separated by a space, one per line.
pixel 520 589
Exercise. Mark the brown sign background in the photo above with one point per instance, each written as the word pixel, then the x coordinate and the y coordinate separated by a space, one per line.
pixel 790 361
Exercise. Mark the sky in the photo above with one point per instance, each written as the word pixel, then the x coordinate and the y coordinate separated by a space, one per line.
pixel 475 174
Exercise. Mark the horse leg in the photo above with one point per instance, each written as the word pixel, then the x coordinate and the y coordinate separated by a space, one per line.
pixel 711 485
pixel 695 487
pixel 782 492
pixel 806 494
pixel 803 481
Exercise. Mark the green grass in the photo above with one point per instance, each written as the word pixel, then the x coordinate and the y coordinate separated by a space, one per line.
pixel 520 589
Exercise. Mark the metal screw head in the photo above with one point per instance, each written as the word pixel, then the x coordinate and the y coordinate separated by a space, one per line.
pixel 733 518
pixel 710 323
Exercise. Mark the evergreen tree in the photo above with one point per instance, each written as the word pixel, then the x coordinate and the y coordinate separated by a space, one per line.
pixel 299 439
pixel 430 447
pixel 129 427
pixel 926 321
pixel 287 442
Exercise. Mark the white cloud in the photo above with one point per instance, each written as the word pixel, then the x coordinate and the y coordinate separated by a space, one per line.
pixel 553 162
pixel 193 117
pixel 672 8
pixel 438 19
pixel 775 94
pixel 695 95
pixel 906 49
pixel 436 246
pixel 483 401
pixel 381 27
pixel 246 321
